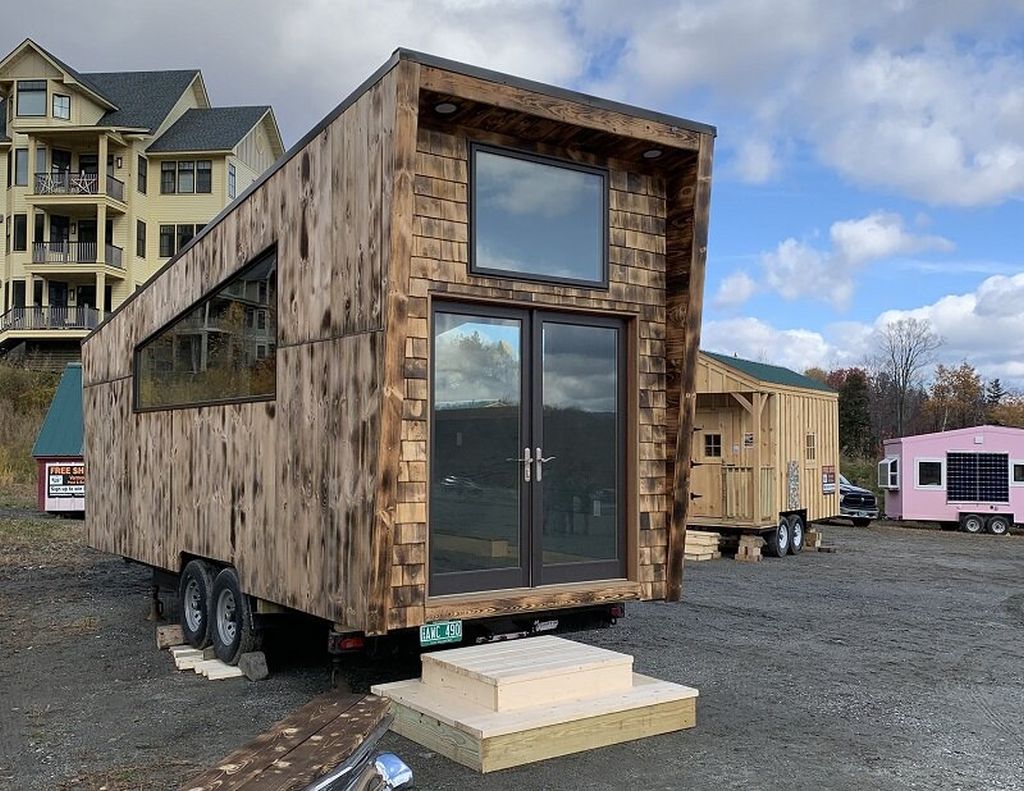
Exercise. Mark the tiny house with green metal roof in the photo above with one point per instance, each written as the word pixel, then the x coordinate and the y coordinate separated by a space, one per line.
pixel 58 448
pixel 765 450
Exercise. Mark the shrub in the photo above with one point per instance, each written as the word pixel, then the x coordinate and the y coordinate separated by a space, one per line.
pixel 25 395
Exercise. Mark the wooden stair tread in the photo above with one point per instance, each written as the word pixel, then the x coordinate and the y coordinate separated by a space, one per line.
pixel 482 723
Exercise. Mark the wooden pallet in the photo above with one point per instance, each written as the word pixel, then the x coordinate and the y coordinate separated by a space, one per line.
pixel 299 749
pixel 702 545
pixel 501 705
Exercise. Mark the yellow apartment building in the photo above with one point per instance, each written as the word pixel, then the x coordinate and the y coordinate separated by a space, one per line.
pixel 105 176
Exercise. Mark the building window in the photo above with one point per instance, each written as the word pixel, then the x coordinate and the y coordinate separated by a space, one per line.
pixel 811 447
pixel 20 233
pixel 143 176
pixel 40 221
pixel 209 354
pixel 204 175
pixel 31 97
pixel 168 175
pixel 889 473
pixel 232 182
pixel 713 446
pixel 62 106
pixel 1017 473
pixel 929 473
pixel 185 234
pixel 21 167
pixel 538 218
pixel 186 177
pixel 140 238
pixel 166 241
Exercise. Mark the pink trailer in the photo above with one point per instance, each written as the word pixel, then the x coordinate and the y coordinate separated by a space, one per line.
pixel 972 478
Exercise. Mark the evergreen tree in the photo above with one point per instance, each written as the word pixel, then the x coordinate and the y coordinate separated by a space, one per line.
pixel 994 393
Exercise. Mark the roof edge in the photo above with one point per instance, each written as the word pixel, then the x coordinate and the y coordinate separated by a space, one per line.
pixel 426 59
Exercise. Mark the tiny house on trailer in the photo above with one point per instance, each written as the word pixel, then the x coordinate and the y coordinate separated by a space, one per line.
pixel 765 451
pixel 436 366
pixel 58 449
pixel 971 478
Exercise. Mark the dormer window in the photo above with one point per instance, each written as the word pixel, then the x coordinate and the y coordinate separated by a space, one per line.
pixel 32 97
pixel 62 106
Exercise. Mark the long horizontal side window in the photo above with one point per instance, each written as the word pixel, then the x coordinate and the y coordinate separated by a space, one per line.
pixel 220 350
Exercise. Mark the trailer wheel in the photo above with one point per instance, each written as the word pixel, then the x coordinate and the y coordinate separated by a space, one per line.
pixel 234 629
pixel 777 541
pixel 195 587
pixel 796 534
pixel 998 525
pixel 972 523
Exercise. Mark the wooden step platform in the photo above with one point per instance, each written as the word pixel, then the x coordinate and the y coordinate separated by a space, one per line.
pixel 505 704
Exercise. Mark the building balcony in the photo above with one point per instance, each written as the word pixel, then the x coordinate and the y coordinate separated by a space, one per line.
pixel 60 252
pixel 63 188
pixel 32 321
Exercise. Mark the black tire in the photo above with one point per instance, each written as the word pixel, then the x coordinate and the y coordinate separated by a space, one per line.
pixel 195 587
pixel 861 522
pixel 796 533
pixel 972 523
pixel 777 541
pixel 998 525
pixel 232 626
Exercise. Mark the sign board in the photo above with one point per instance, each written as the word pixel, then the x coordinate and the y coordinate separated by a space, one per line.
pixel 748 440
pixel 828 479
pixel 441 632
pixel 64 486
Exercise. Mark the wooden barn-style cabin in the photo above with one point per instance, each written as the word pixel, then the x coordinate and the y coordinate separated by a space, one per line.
pixel 765 450
pixel 436 366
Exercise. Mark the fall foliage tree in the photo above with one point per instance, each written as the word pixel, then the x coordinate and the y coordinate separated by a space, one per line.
pixel 957 398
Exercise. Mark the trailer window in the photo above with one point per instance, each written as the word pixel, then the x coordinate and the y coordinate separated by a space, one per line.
pixel 1017 475
pixel 812 447
pixel 713 446
pixel 538 218
pixel 211 353
pixel 930 474
pixel 889 473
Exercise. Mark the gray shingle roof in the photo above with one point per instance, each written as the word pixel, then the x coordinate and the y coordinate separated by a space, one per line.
pixel 85 79
pixel 143 98
pixel 774 374
pixel 209 129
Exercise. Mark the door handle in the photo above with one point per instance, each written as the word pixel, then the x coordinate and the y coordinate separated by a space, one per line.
pixel 526 461
pixel 541 458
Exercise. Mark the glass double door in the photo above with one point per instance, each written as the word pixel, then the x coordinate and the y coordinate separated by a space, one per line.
pixel 527 462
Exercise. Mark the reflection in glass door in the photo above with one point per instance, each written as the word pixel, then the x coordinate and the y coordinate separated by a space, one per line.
pixel 579 442
pixel 527 449
pixel 476 495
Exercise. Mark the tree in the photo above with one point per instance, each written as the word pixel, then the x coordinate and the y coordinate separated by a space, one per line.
pixel 818 374
pixel 994 393
pixel 855 436
pixel 905 348
pixel 1009 411
pixel 957 398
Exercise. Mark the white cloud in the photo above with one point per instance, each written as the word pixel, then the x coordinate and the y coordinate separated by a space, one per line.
pixel 798 269
pixel 984 326
pixel 734 290
pixel 923 98
pixel 756 161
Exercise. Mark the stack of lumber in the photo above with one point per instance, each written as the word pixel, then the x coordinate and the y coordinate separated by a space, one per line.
pixel 185 657
pixel 749 549
pixel 702 545
pixel 505 704
pixel 813 539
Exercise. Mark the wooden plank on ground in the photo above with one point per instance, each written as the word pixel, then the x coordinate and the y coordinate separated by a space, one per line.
pixel 248 762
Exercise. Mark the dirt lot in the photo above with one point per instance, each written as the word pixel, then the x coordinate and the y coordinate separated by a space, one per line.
pixel 895 663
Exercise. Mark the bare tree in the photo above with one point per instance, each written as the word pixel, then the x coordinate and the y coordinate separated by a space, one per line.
pixel 905 348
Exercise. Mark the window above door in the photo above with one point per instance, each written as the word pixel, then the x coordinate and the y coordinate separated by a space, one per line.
pixel 538 218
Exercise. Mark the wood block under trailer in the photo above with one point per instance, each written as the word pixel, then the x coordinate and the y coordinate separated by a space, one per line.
pixel 498 706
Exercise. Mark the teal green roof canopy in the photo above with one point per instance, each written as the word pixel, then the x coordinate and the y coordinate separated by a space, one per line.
pixel 774 374
pixel 63 429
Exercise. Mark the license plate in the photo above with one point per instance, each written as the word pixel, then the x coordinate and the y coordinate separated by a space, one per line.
pixel 441 632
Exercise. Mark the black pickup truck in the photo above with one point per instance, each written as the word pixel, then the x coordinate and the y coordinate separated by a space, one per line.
pixel 856 504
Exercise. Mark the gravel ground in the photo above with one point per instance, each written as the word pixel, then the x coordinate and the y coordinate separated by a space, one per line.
pixel 895 663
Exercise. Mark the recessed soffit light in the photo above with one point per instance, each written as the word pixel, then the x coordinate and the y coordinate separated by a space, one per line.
pixel 652 153
pixel 445 108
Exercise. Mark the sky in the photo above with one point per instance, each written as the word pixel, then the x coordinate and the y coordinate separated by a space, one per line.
pixel 869 163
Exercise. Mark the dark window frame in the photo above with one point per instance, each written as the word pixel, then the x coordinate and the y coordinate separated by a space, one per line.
pixel 53 106
pixel 167 231
pixel 44 90
pixel 142 177
pixel 16 220
pixel 187 166
pixel 204 166
pixel 232 181
pixel 18 152
pixel 209 295
pixel 169 177
pixel 140 239
pixel 712 441
pixel 528 156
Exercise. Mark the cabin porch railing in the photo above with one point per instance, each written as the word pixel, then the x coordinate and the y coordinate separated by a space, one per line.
pixel 738 494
